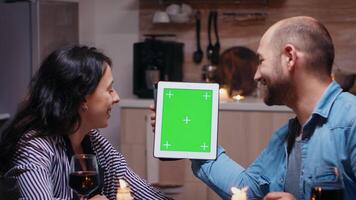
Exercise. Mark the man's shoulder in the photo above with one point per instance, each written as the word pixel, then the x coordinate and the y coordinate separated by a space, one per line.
pixel 345 102
pixel 343 112
pixel 347 97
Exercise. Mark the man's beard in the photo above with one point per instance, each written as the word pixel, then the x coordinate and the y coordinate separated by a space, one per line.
pixel 276 93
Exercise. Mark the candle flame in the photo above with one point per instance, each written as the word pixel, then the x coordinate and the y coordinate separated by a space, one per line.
pixel 239 194
pixel 238 97
pixel 235 190
pixel 123 184
pixel 123 192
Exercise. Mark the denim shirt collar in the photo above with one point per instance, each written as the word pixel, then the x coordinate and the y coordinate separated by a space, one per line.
pixel 326 101
pixel 319 114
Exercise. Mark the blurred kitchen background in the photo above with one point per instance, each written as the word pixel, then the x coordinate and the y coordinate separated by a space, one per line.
pixel 151 40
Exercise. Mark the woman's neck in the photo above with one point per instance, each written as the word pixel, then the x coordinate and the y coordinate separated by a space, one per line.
pixel 76 140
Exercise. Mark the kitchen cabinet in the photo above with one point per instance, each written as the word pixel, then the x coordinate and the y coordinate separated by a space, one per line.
pixel 244 130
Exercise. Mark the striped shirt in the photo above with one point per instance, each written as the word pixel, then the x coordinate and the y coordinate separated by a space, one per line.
pixel 41 168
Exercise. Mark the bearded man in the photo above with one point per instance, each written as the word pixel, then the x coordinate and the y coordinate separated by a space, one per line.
pixel 295 61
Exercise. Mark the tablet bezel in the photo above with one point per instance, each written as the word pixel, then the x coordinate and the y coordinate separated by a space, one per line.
pixel 214 125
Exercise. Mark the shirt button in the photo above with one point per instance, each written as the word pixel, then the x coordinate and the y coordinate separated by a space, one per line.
pixel 282 180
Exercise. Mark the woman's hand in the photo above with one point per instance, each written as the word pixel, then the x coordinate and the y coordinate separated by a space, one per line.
pixel 153 117
pixel 279 196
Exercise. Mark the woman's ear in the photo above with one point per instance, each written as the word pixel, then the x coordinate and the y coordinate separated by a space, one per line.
pixel 84 106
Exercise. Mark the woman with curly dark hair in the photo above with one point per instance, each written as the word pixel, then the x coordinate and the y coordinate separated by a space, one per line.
pixel 70 97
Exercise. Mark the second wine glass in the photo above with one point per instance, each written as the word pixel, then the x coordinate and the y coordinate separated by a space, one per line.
pixel 327 184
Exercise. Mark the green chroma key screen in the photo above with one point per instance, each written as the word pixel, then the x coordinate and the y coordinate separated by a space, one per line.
pixel 186 120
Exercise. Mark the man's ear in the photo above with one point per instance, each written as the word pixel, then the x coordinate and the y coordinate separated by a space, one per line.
pixel 290 56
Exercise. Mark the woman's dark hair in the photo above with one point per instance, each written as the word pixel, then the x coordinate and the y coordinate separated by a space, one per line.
pixel 56 92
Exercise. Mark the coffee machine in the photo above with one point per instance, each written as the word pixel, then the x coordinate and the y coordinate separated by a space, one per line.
pixel 156 60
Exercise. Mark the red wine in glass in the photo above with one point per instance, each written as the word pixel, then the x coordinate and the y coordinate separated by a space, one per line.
pixel 84 174
pixel 84 182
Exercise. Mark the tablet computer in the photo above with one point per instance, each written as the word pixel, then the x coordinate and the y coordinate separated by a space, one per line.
pixel 186 120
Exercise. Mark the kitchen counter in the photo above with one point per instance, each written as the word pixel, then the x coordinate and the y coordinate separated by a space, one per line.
pixel 248 104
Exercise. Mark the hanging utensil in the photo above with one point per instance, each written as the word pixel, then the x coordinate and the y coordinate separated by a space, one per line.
pixel 216 47
pixel 198 54
pixel 210 48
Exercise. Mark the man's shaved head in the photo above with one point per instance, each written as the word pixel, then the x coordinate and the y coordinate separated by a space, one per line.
pixel 308 36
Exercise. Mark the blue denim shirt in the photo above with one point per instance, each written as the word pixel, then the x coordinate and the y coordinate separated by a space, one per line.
pixel 329 139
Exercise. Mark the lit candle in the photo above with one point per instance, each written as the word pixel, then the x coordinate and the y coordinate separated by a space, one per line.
pixel 238 97
pixel 239 194
pixel 123 192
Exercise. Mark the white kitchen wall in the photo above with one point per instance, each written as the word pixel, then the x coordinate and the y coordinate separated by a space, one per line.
pixel 112 26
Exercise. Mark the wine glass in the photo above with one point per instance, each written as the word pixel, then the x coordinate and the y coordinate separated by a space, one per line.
pixel 84 174
pixel 327 184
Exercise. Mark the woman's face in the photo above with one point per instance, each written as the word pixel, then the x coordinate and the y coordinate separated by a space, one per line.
pixel 96 110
